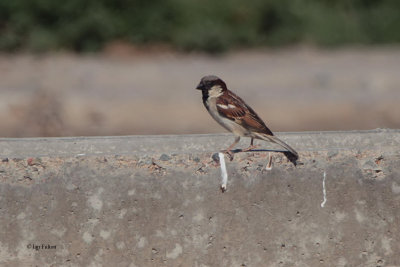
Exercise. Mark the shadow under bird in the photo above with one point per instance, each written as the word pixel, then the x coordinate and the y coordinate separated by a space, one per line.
pixel 232 113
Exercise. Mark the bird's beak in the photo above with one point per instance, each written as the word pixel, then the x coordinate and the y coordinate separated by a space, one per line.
pixel 200 86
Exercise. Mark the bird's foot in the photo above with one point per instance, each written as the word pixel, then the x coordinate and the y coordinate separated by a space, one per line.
pixel 229 153
pixel 249 148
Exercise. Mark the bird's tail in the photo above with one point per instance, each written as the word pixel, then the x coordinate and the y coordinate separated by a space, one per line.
pixel 276 140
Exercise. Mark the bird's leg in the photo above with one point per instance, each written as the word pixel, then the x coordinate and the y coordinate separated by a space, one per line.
pixel 250 147
pixel 229 149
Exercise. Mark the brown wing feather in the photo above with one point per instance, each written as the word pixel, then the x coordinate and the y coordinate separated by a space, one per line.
pixel 241 113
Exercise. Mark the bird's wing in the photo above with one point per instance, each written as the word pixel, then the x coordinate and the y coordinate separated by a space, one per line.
pixel 234 108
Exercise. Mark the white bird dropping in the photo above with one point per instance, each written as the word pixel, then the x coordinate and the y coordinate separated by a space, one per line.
pixel 224 174
pixel 323 190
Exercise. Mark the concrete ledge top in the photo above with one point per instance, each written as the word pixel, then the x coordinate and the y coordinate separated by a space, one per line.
pixel 387 139
pixel 156 201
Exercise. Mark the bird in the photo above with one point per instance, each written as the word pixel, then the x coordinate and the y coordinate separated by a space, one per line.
pixel 232 113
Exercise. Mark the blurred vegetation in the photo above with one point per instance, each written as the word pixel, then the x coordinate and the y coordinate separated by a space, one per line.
pixel 208 25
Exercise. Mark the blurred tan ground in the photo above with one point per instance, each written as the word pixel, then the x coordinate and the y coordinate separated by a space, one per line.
pixel 124 91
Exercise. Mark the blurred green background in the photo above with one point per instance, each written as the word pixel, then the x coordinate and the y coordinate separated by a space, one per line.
pixel 204 25
pixel 120 67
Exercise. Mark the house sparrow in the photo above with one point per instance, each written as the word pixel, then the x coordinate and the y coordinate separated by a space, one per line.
pixel 232 113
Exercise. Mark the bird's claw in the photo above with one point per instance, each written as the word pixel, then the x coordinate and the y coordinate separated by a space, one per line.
pixel 229 153
pixel 249 148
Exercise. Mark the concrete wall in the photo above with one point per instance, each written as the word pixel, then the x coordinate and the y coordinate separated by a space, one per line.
pixel 155 201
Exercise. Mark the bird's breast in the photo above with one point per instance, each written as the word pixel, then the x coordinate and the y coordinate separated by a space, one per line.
pixel 230 125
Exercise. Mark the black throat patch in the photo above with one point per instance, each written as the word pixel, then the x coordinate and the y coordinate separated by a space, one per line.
pixel 205 96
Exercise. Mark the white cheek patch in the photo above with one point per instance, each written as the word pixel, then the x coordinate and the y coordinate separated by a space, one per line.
pixel 215 91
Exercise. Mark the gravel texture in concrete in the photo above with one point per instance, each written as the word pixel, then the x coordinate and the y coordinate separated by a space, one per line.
pixel 156 201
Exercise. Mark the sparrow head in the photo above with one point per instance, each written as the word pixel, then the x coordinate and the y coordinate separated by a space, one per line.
pixel 211 83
